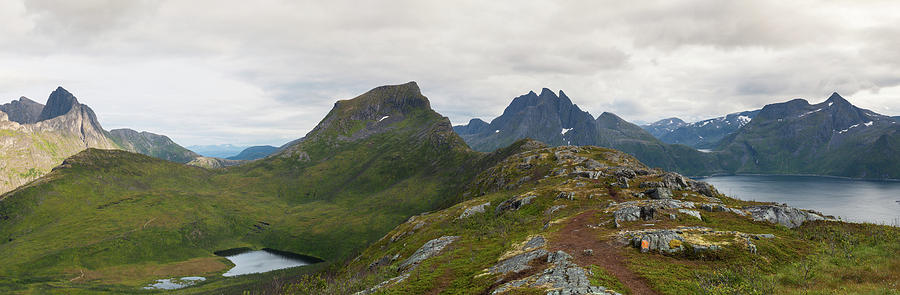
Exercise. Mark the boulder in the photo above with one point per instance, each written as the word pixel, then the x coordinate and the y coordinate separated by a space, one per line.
pixel 658 240
pixel 659 193
pixel 780 214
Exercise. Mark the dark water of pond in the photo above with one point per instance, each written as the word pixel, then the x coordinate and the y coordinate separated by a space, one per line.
pixel 248 261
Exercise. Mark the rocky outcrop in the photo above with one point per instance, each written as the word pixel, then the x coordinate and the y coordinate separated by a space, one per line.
pixel 430 249
pixel 645 209
pixel 697 239
pixel 474 210
pixel 781 214
pixel 721 208
pixel 560 277
pixel 513 203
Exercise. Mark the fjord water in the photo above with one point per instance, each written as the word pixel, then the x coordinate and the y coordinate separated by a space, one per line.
pixel 850 199
pixel 261 261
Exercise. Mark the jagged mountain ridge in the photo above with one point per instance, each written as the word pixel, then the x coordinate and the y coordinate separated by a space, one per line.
pixel 555 120
pixel 23 110
pixel 664 126
pixel 706 134
pixel 833 137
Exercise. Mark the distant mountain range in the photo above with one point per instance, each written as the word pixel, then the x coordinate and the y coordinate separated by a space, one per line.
pixel 830 138
pixel 254 152
pixel 37 137
pixel 833 137
pixel 555 120
pixel 704 134
pixel 218 150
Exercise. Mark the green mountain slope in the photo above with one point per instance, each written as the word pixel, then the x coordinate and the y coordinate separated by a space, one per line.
pixel 154 145
pixel 371 163
pixel 577 227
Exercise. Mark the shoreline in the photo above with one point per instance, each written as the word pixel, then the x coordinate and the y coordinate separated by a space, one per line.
pixel 793 174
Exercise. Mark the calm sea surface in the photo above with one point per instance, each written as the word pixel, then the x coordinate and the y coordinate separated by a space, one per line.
pixel 850 199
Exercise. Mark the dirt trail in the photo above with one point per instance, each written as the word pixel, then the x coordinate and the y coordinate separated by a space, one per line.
pixel 576 236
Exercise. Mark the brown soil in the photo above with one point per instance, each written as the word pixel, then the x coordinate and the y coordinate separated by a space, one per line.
pixel 576 236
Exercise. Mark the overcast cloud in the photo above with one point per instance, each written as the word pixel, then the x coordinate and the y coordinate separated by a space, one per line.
pixel 266 71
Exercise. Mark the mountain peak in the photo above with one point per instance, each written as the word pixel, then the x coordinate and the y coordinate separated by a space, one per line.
pixel 837 98
pixel 60 102
pixel 547 92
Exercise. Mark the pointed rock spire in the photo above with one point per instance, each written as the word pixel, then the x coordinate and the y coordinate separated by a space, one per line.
pixel 59 103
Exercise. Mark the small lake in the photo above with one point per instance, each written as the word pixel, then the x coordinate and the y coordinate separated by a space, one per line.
pixel 174 283
pixel 259 261
pixel 850 199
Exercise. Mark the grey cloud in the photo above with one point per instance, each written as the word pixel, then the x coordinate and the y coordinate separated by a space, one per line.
pixel 280 65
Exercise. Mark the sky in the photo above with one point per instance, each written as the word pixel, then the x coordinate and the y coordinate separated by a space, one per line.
pixel 267 71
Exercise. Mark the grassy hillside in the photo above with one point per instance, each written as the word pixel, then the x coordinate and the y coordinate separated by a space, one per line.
pixel 351 180
pixel 583 217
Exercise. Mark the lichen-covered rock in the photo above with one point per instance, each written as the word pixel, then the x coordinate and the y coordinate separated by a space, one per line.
pixel 474 210
pixel 514 203
pixel 780 214
pixel 534 243
pixel 430 249
pixel 553 209
pixel 693 213
pixel 632 210
pixel 566 195
pixel 519 262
